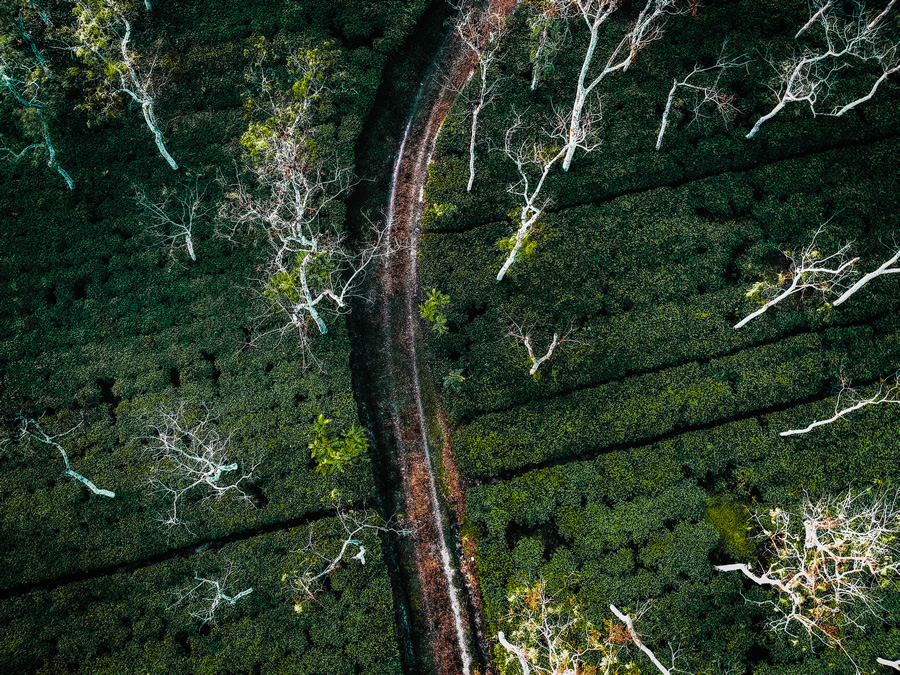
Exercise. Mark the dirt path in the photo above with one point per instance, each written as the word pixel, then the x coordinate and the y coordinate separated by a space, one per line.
pixel 409 423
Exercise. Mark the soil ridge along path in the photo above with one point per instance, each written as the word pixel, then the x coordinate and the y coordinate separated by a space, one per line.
pixel 401 404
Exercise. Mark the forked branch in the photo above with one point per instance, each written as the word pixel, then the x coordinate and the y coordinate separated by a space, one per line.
pixel 850 400
pixel 827 561
pixel 31 429
pixel 522 334
pixel 191 457
pixel 172 216
pixel 707 91
pixel 810 271
pixel 482 33
pixel 206 596
pixel 888 267
pixel 811 74
pixel 318 559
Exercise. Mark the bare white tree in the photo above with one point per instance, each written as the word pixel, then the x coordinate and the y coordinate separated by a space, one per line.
pixel 22 80
pixel 521 333
pixel 318 559
pixel 533 161
pixel 810 271
pixel 811 74
pixel 172 215
pixel 289 182
pixel 549 34
pixel 850 400
pixel 549 635
pixel 888 267
pixel 205 596
pixel 101 37
pixel 706 91
pixel 482 32
pixel 595 13
pixel 31 429
pixel 890 664
pixel 827 561
pixel 190 457
pixel 636 639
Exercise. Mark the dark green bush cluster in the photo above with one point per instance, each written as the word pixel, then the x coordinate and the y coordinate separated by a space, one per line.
pixel 633 105
pixel 122 623
pixel 693 395
pixel 649 256
pixel 648 523
pixel 652 279
pixel 100 326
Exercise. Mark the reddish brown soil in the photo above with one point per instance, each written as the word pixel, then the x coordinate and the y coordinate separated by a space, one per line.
pixel 399 279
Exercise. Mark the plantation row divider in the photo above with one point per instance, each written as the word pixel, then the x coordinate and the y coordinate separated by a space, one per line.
pixel 606 199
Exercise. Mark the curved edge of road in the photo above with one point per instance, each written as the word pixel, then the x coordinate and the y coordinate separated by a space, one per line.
pixel 403 406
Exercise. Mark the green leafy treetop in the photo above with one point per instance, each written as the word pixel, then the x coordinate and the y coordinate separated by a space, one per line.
pixel 289 187
pixel 335 454
pixel 101 39
pixel 433 310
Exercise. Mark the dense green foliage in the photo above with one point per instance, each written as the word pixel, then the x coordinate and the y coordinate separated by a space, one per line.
pixel 123 622
pixel 672 415
pixel 335 454
pixel 102 326
pixel 433 310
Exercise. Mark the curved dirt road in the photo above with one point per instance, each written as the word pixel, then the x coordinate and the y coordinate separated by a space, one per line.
pixel 446 585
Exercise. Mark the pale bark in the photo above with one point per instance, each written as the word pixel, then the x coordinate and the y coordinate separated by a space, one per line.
pixel 811 75
pixel 22 84
pixel 173 215
pixel 810 271
pixel 315 563
pixel 188 455
pixel 886 392
pixel 710 92
pixel 595 13
pixel 482 34
pixel 139 93
pixel 283 188
pixel 548 635
pixel 204 598
pixel 827 562
pixel 518 652
pixel 886 268
pixel 522 335
pixel 126 80
pixel 527 156
pixel 629 624
pixel 40 435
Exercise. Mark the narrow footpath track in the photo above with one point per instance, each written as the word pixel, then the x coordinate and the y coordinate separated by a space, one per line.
pixel 403 409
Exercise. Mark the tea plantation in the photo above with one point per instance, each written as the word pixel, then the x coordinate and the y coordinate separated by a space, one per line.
pixel 627 466
pixel 102 327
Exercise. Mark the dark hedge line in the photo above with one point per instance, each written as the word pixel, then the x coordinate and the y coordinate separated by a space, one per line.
pixel 650 254
pixel 655 278
pixel 632 107
pixel 121 624
pixel 695 394
pixel 100 325
pixel 648 523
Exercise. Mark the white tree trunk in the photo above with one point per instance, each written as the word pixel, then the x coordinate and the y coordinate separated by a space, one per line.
pixel 472 145
pixel 665 117
pixel 629 624
pixel 884 269
pixel 581 94
pixel 765 118
pixel 518 652
pixel 150 118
